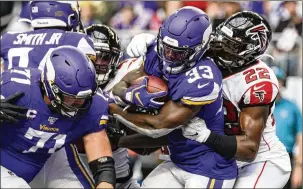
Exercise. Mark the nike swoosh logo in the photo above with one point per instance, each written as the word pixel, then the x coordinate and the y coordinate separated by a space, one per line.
pixel 193 134
pixel 201 86
pixel 257 88
pixel 138 97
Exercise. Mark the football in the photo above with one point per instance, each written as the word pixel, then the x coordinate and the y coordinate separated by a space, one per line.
pixel 154 84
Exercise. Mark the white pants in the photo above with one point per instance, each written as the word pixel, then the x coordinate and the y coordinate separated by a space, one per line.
pixel 168 175
pixel 64 169
pixel 261 175
pixel 10 180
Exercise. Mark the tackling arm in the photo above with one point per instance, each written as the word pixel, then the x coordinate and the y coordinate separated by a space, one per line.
pixel 252 122
pixel 243 147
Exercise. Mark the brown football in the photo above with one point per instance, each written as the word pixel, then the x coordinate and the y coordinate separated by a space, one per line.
pixel 154 84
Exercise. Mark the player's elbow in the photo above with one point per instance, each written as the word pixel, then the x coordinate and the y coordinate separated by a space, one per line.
pixel 251 153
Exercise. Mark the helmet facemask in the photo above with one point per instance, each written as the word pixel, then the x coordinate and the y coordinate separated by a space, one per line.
pixel 70 105
pixel 229 52
pixel 106 63
pixel 176 59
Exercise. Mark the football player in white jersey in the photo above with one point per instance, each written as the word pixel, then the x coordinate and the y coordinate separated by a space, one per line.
pixel 250 88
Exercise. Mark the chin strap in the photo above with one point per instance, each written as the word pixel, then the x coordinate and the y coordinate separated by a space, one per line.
pixel 265 55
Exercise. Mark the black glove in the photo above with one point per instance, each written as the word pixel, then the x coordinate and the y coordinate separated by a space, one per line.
pixel 10 112
pixel 114 131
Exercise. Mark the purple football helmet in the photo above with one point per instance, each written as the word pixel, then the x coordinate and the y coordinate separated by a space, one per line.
pixel 54 14
pixel 183 38
pixel 69 80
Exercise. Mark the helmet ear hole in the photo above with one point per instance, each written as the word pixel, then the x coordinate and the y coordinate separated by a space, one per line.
pixel 73 18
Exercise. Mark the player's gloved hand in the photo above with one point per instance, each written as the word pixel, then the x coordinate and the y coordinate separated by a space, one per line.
pixel 138 45
pixel 139 96
pixel 196 130
pixel 115 130
pixel 9 112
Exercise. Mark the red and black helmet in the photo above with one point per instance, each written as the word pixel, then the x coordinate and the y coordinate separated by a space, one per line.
pixel 241 39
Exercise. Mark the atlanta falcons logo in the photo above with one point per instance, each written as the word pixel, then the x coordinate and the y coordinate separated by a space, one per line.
pixel 260 95
pixel 258 32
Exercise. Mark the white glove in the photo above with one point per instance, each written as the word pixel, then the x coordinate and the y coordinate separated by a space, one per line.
pixel 196 130
pixel 138 45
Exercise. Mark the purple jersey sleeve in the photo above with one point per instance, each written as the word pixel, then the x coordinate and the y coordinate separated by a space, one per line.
pixel 97 117
pixel 200 85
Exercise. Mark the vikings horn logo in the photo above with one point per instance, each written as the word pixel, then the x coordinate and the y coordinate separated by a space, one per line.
pixel 258 32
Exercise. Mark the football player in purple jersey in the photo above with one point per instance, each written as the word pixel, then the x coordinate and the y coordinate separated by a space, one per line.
pixel 63 106
pixel 195 93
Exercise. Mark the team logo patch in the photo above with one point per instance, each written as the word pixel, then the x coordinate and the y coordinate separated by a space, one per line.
pixel 260 95
pixel 259 33
pixel 52 120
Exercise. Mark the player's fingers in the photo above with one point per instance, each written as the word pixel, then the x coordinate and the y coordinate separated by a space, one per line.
pixel 15 114
pixel 16 107
pixel 140 50
pixel 129 51
pixel 15 96
pixel 135 50
pixel 7 118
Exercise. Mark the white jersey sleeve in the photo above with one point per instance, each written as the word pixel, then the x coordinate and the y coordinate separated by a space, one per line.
pixel 254 86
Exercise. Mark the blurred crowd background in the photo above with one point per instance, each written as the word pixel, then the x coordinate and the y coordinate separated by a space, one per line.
pixel 285 17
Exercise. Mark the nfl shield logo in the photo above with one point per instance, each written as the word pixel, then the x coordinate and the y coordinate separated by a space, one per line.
pixel 52 120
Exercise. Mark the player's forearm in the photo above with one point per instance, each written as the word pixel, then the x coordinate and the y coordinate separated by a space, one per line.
pixel 145 121
pixel 247 150
pixel 142 141
pixel 99 156
pixel 237 147
pixel 97 145
pixel 119 89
